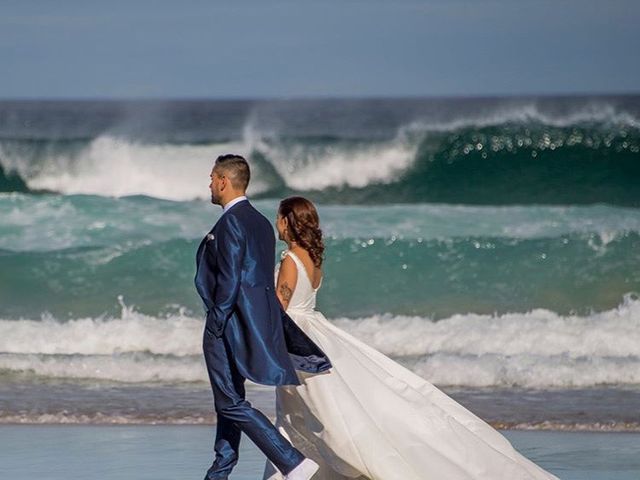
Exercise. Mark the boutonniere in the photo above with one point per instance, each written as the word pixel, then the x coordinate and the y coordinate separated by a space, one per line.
pixel 210 236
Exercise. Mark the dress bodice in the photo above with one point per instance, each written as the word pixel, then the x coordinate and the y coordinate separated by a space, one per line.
pixel 303 298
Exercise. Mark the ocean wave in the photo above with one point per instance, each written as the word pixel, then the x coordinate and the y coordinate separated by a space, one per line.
pixel 128 368
pixel 11 182
pixel 103 418
pixel 435 277
pixel 530 371
pixel 593 112
pixel 537 333
pixel 93 221
pixel 108 418
pixel 76 221
pixel 537 349
pixel 508 155
pixel 316 167
pixel 116 167
pixel 177 335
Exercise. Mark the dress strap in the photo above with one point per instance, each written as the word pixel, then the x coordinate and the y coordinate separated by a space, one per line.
pixel 301 268
pixel 294 257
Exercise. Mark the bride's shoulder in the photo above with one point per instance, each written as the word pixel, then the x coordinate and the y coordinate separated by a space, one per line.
pixel 287 269
pixel 293 254
pixel 287 258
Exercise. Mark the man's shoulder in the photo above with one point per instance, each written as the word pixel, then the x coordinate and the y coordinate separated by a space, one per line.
pixel 230 220
pixel 250 218
pixel 245 210
pixel 242 214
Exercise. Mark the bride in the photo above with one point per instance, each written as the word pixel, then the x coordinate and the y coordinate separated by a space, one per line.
pixel 369 417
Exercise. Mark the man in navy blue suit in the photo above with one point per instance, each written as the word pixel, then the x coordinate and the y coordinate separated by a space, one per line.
pixel 247 335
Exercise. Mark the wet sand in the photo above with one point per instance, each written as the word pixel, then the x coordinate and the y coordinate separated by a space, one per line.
pixel 141 452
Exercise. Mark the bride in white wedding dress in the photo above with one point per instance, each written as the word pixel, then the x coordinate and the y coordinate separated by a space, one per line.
pixel 369 417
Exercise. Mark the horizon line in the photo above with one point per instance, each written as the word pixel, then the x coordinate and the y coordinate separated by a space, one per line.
pixel 276 98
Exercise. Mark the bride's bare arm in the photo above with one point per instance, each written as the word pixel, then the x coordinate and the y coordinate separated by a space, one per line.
pixel 287 279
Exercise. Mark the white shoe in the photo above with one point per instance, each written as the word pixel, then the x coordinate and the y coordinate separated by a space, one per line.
pixel 304 471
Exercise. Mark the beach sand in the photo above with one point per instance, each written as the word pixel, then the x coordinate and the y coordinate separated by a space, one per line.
pixel 69 452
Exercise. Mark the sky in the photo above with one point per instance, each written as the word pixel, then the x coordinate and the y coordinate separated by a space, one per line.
pixel 321 48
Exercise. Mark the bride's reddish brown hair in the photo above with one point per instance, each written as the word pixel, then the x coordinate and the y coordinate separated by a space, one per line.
pixel 304 226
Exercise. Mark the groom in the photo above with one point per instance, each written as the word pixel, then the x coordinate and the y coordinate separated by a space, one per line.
pixel 247 335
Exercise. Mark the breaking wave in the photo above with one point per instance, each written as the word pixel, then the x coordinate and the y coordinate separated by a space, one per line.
pixel 536 349
pixel 508 155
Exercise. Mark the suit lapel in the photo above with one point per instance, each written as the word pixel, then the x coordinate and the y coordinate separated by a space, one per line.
pixel 203 245
pixel 207 238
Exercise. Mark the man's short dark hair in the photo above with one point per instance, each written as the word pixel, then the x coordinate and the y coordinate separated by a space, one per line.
pixel 234 167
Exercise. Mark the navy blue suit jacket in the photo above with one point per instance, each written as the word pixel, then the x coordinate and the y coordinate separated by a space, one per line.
pixel 235 266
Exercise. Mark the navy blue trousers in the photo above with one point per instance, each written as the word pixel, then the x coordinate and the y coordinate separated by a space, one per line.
pixel 236 415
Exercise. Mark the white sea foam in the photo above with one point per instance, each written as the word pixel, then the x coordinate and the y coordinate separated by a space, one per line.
pixel 99 418
pixel 530 112
pixel 130 368
pixel 536 349
pixel 612 333
pixel 177 335
pixel 114 167
pixel 599 224
pixel 531 371
pixel 54 222
pixel 305 168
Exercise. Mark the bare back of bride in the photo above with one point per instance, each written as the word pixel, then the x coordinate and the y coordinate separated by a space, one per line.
pixel 369 417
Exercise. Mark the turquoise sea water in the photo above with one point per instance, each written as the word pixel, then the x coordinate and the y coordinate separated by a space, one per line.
pixel 81 252
pixel 484 243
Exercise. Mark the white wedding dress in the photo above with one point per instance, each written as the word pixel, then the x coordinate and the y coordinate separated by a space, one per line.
pixel 370 418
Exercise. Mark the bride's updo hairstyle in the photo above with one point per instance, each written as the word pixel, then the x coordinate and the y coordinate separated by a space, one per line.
pixel 303 226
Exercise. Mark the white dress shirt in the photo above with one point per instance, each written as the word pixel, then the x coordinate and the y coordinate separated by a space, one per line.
pixel 233 202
